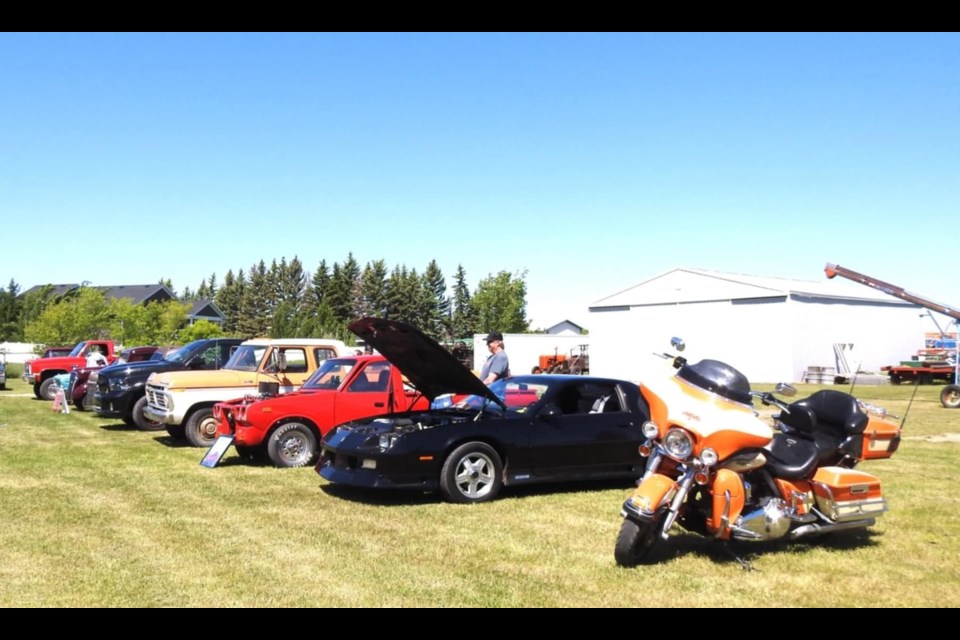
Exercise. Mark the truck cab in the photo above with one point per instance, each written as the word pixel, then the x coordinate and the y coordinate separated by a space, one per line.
pixel 40 372
pixel 183 401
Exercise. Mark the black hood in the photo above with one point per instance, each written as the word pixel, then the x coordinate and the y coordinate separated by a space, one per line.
pixel 433 370
pixel 143 367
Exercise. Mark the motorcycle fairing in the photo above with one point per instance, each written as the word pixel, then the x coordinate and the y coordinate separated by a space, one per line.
pixel 675 401
pixel 728 500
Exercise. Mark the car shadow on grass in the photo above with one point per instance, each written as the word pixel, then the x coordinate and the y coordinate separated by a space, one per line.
pixel 401 497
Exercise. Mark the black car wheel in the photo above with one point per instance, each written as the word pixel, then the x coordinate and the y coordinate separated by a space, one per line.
pixel 292 445
pixel 141 421
pixel 201 428
pixel 472 473
pixel 48 389
pixel 79 404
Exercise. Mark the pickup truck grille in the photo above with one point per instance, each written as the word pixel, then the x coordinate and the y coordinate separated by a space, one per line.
pixel 156 397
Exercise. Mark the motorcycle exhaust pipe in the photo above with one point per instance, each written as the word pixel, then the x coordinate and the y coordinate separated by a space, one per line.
pixel 820 529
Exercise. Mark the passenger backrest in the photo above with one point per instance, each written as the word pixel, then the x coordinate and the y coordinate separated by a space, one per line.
pixel 382 380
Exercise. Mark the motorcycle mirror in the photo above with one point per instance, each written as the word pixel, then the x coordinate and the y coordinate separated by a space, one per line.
pixel 785 389
pixel 677 343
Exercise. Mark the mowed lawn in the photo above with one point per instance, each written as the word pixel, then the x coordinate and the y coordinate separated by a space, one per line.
pixel 96 514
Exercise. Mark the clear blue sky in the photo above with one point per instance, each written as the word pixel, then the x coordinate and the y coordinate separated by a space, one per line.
pixel 589 162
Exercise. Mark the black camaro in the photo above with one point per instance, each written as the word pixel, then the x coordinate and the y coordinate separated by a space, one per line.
pixel 476 439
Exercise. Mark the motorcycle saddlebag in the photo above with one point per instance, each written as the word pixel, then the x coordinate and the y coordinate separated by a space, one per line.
pixel 844 495
pixel 881 439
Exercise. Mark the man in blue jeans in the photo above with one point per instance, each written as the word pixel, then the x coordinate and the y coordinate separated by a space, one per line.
pixel 497 365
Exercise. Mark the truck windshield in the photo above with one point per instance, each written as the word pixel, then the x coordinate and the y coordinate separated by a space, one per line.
pixel 246 358
pixel 78 349
pixel 330 375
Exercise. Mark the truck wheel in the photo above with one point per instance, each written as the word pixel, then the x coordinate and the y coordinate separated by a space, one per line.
pixel 292 445
pixel 141 421
pixel 201 428
pixel 950 396
pixel 78 403
pixel 48 389
pixel 36 391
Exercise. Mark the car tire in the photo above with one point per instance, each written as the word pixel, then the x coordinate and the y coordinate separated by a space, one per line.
pixel 79 404
pixel 950 396
pixel 141 421
pixel 201 428
pixel 292 445
pixel 472 473
pixel 48 389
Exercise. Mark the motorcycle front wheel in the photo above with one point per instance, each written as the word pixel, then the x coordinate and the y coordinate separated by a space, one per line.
pixel 635 541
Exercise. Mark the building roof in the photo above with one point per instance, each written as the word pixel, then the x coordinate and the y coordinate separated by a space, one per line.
pixel 572 324
pixel 205 309
pixel 682 285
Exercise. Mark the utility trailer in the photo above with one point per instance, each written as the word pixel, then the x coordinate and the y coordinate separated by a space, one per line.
pixel 943 368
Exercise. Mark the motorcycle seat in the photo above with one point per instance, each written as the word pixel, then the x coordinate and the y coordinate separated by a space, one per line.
pixel 792 457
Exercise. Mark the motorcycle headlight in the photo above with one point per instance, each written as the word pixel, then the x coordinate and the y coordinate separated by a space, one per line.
pixel 650 429
pixel 678 444
pixel 709 457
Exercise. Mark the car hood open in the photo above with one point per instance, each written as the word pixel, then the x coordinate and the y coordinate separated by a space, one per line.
pixel 433 370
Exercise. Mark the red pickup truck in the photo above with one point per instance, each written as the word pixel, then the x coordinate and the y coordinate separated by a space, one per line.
pixel 288 428
pixel 41 371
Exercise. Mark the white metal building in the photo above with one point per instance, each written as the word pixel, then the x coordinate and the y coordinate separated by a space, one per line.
pixel 771 329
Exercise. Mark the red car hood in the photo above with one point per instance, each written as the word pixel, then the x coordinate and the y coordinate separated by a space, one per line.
pixel 433 370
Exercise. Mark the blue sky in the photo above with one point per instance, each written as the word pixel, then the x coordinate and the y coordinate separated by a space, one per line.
pixel 588 162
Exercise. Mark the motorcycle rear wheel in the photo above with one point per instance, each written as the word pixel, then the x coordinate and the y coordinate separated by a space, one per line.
pixel 635 541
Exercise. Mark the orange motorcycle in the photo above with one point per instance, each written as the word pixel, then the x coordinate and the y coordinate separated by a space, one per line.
pixel 716 468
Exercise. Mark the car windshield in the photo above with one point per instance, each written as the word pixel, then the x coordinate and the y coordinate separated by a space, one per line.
pixel 331 374
pixel 247 357
pixel 185 352
pixel 518 395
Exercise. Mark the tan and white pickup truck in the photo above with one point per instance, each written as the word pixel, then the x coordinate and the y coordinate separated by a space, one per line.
pixel 183 400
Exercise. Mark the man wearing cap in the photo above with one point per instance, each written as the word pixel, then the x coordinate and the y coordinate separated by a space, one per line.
pixel 497 365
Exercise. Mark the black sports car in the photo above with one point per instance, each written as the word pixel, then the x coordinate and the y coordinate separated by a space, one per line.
pixel 476 439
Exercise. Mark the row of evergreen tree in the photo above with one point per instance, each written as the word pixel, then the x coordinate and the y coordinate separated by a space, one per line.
pixel 285 300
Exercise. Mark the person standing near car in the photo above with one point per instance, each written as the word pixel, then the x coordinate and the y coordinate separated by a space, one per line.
pixel 95 358
pixel 497 365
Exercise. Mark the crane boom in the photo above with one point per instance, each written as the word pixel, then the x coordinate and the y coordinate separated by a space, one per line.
pixel 833 270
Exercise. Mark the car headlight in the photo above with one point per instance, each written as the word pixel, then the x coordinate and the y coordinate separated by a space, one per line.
pixel 387 440
pixel 678 443
pixel 650 429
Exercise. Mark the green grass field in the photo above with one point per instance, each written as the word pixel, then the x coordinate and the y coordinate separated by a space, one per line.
pixel 99 515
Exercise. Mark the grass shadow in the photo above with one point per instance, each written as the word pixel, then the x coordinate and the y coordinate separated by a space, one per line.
pixel 747 555
pixel 176 443
pixel 381 497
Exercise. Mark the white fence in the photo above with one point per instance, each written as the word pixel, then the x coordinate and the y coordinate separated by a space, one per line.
pixel 18 352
